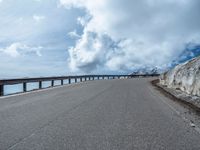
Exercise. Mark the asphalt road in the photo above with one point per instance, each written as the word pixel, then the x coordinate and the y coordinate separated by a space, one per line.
pixel 126 114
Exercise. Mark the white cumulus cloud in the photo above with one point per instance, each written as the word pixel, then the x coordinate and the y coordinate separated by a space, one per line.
pixel 129 34
pixel 18 49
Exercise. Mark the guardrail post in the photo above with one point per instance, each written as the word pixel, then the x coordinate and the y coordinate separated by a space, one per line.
pixel 1 90
pixel 24 87
pixel 40 84
pixel 98 78
pixel 69 80
pixel 81 79
pixel 52 82
pixel 62 82
pixel 75 80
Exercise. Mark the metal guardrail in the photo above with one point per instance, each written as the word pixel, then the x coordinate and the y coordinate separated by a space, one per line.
pixel 24 81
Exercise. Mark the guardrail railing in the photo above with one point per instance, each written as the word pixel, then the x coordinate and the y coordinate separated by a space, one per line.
pixel 25 81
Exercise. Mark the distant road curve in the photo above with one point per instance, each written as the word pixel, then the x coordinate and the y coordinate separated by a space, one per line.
pixel 120 114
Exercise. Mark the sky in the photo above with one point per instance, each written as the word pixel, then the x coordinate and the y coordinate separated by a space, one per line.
pixel 64 37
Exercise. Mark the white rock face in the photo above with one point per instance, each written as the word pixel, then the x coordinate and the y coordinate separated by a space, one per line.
pixel 185 77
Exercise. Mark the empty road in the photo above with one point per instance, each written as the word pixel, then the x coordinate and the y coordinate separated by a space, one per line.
pixel 125 114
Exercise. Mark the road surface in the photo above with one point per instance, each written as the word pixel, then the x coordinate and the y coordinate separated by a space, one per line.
pixel 125 114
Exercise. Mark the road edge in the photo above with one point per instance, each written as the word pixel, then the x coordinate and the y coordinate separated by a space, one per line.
pixel 174 97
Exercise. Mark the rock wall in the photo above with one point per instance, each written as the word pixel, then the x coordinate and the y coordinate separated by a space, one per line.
pixel 185 77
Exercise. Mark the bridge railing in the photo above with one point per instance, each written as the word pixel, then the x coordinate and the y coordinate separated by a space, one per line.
pixel 25 81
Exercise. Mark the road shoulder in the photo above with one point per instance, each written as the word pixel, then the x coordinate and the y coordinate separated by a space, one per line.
pixel 179 96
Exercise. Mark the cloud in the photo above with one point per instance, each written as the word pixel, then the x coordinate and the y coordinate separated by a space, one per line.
pixel 18 49
pixel 91 51
pixel 83 20
pixel 23 38
pixel 38 18
pixel 74 34
pixel 141 33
